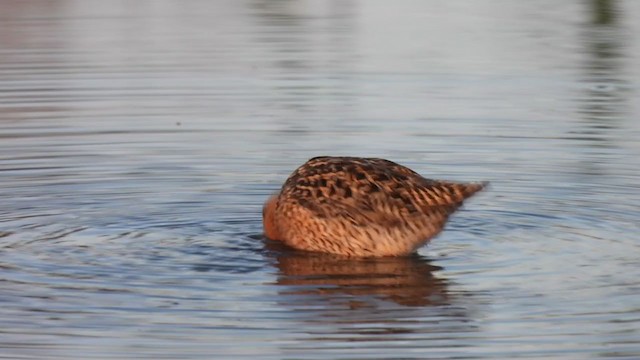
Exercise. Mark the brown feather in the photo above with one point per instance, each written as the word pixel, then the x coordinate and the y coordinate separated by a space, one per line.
pixel 361 207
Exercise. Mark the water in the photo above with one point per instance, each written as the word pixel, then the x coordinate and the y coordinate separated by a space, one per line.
pixel 138 141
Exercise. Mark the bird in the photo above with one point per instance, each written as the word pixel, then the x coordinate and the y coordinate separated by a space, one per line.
pixel 361 207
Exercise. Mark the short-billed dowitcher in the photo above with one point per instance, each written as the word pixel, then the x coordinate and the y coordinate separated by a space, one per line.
pixel 364 207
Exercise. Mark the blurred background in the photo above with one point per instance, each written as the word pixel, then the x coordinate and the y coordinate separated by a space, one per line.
pixel 139 139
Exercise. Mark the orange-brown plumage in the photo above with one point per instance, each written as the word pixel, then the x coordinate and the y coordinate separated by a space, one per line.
pixel 362 207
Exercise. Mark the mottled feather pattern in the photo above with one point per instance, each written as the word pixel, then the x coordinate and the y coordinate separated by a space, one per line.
pixel 361 207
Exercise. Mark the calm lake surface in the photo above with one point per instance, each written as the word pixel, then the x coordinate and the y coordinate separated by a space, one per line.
pixel 139 139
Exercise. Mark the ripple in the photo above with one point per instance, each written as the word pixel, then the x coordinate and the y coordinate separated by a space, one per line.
pixel 138 143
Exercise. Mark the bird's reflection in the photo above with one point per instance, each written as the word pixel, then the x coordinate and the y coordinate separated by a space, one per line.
pixel 407 281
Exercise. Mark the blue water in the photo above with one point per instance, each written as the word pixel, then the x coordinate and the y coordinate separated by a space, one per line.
pixel 138 142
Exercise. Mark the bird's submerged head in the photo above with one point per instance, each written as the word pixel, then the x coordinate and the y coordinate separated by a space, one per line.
pixel 269 218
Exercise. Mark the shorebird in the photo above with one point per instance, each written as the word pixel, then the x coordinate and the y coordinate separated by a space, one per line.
pixel 361 207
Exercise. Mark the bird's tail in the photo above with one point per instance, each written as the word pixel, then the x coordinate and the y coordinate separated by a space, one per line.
pixel 469 189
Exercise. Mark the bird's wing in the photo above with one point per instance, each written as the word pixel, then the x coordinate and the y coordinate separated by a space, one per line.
pixel 373 191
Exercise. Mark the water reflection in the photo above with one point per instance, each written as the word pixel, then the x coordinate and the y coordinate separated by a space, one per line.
pixel 340 281
pixel 602 104
pixel 350 303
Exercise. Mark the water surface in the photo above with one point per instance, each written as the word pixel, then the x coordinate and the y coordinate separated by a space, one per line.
pixel 138 142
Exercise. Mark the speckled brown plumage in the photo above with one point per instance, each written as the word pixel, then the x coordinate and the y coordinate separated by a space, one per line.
pixel 361 207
